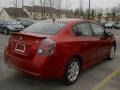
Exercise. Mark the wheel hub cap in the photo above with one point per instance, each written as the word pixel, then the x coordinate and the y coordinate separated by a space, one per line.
pixel 73 71
pixel 112 52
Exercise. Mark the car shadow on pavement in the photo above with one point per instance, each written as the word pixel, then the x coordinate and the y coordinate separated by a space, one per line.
pixel 20 81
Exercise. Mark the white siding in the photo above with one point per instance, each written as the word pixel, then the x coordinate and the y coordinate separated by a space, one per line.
pixel 38 15
pixel 30 14
pixel 4 15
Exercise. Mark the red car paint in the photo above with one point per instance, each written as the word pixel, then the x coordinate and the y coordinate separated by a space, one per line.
pixel 90 50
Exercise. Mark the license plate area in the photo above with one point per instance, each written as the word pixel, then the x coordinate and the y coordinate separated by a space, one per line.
pixel 20 48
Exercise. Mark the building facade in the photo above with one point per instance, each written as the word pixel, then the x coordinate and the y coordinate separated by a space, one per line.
pixel 13 13
pixel 33 13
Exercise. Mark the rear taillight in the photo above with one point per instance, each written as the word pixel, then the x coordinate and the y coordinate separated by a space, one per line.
pixel 47 47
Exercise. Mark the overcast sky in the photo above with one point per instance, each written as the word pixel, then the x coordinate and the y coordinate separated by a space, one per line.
pixel 72 3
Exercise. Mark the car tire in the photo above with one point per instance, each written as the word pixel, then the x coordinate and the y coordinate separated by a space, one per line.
pixel 112 52
pixel 72 71
pixel 6 31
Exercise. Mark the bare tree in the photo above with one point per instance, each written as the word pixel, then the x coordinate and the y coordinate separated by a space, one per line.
pixel 33 4
pixel 51 3
pixel 99 14
pixel 22 3
pixel 43 5
pixel 12 3
pixel 15 3
pixel 89 9
pixel 58 4
pixel 113 13
pixel 15 6
pixel 81 8
pixel 76 13
pixel 66 7
pixel 118 12
pixel 59 7
pixel 108 14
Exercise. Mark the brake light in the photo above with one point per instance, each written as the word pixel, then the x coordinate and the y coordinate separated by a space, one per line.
pixel 47 47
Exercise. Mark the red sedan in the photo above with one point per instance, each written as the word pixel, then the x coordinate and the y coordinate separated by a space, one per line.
pixel 60 48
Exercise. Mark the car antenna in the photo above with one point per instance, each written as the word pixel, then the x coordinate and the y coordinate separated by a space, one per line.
pixel 53 20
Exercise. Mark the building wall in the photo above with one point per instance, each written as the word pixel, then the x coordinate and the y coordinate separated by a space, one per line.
pixel 4 15
pixel 30 14
pixel 33 15
pixel 38 15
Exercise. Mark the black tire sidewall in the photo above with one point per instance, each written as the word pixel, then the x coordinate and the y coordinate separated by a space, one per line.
pixel 6 31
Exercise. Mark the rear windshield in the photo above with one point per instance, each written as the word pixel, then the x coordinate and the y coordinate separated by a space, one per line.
pixel 45 27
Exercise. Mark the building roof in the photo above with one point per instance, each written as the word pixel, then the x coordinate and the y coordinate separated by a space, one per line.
pixel 47 9
pixel 31 9
pixel 15 12
pixel 38 8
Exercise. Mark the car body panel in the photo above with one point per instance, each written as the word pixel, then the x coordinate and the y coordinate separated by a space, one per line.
pixel 10 27
pixel 109 24
pixel 90 50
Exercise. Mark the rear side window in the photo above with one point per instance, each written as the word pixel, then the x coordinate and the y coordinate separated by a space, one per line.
pixel 82 29
pixel 98 30
pixel 44 27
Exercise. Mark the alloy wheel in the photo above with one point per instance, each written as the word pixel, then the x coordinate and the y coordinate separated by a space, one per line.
pixel 73 71
pixel 112 52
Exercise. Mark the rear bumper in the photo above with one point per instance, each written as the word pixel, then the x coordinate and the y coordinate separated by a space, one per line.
pixel 39 66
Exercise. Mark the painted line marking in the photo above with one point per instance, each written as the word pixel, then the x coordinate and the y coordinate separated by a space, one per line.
pixel 106 80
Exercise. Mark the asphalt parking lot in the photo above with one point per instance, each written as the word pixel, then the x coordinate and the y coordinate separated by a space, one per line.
pixel 103 76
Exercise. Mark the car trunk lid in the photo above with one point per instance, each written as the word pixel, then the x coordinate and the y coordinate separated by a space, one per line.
pixel 25 44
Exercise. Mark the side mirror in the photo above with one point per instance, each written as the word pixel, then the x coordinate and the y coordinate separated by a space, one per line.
pixel 109 34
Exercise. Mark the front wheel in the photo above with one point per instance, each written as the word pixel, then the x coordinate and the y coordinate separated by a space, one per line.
pixel 72 71
pixel 6 32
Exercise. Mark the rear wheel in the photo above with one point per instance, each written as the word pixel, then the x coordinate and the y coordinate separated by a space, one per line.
pixel 6 32
pixel 72 71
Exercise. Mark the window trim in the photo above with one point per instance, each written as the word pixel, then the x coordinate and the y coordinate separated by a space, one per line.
pixel 77 28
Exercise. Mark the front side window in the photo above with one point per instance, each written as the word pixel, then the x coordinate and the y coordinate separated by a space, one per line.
pixel 83 29
pixel 98 30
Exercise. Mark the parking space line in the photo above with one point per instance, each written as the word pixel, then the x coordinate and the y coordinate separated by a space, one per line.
pixel 106 80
